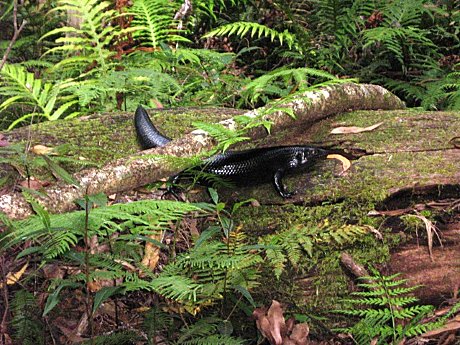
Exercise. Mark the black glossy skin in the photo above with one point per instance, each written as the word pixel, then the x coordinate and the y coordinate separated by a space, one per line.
pixel 147 134
pixel 246 167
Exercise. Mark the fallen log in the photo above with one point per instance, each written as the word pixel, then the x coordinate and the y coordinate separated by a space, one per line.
pixel 133 171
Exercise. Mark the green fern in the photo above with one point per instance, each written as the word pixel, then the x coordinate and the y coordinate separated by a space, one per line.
pixel 443 93
pixel 240 29
pixel 401 36
pixel 154 24
pixel 206 331
pixel 386 314
pixel 157 321
pixel 285 82
pixel 226 137
pixel 56 235
pixel 213 340
pixel 91 40
pixel 209 271
pixel 291 245
pixel 49 101
pixel 26 322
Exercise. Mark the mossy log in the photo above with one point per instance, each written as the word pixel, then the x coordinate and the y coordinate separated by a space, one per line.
pixel 128 173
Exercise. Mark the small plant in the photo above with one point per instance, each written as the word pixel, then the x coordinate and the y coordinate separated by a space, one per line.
pixel 387 314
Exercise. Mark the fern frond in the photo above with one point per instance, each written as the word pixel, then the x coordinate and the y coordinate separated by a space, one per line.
pixel 26 322
pixel 212 268
pixel 67 229
pixel 240 29
pixel 385 313
pixel 204 331
pixel 291 245
pixel 226 137
pixel 154 23
pixel 213 340
pixel 93 37
pixel 177 288
pixel 23 88
pixel 283 81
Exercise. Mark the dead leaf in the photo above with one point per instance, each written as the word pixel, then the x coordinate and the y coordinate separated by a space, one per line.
pixel 33 183
pixel 2 141
pixel 276 330
pixel 346 164
pixel 96 285
pixel 152 252
pixel 157 103
pixel 300 334
pixel 13 278
pixel 53 271
pixel 277 323
pixel 42 150
pixel 354 129
pixel 262 323
pixel 431 230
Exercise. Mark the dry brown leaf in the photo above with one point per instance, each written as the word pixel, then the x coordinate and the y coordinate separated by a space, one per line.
pixel 41 150
pixel 12 278
pixel 300 334
pixel 152 252
pixel 276 330
pixel 96 285
pixel 53 271
pixel 277 323
pixel 431 230
pixel 3 142
pixel 265 328
pixel 346 164
pixel 33 183
pixel 354 129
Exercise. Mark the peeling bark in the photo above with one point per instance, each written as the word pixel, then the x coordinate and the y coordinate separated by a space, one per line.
pixel 128 173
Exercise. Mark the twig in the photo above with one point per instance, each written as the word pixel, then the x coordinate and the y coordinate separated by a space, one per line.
pixel 183 13
pixel 4 322
pixel 357 270
pixel 17 31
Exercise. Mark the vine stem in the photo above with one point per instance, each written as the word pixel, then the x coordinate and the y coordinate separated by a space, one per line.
pixel 17 31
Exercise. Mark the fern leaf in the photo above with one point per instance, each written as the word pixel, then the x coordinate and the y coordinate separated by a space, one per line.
pixel 31 91
pixel 154 23
pixel 240 29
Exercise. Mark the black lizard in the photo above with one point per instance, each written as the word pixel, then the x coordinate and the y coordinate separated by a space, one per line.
pixel 245 167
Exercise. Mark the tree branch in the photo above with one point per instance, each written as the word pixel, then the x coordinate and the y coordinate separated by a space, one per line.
pixel 17 31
